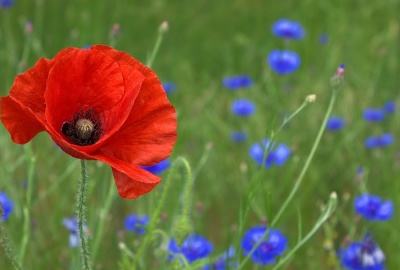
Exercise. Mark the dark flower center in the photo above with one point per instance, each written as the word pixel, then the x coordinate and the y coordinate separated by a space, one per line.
pixel 84 128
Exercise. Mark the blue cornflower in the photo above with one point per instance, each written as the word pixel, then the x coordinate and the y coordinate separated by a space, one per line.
pixel 159 167
pixel 72 226
pixel 323 39
pixel 365 255
pixel 335 123
pixel 224 262
pixel 193 248
pixel 169 87
pixel 371 207
pixel 389 107
pixel 7 205
pixel 285 28
pixel 273 245
pixel 283 62
pixel 383 140
pixel 239 136
pixel 134 223
pixel 237 82
pixel 373 115
pixel 277 156
pixel 6 3
pixel 243 107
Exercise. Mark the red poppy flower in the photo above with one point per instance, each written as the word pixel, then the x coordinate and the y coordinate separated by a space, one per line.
pixel 97 104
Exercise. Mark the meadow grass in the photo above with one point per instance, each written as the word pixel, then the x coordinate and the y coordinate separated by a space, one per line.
pixel 207 41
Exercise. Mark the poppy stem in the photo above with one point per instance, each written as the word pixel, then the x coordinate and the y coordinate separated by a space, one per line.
pixel 8 252
pixel 157 212
pixel 156 47
pixel 81 200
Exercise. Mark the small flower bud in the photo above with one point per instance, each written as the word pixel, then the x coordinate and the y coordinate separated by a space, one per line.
pixel 163 27
pixel 183 227
pixel 28 27
pixel 311 98
pixel 338 77
pixel 115 31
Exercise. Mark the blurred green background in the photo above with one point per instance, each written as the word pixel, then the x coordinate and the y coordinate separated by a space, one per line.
pixel 206 41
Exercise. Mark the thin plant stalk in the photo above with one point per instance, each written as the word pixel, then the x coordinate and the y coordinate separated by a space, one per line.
pixel 81 201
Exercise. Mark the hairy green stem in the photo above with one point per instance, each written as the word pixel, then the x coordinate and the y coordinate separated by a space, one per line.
pixel 81 201
pixel 4 242
pixel 157 212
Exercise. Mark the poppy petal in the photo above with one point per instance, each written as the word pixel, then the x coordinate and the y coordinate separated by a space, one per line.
pixel 131 181
pixel 93 77
pixel 20 123
pixel 149 133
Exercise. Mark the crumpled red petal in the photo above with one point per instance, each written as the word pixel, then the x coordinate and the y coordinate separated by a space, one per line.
pixel 152 119
pixel 131 181
pixel 20 123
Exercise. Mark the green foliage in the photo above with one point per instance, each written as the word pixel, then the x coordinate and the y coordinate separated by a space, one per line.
pixel 206 41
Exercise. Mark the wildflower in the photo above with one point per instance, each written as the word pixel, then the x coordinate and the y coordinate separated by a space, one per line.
pixel 285 28
pixel 159 167
pixel 71 224
pixel 372 208
pixel 373 115
pixel 283 62
pixel 7 206
pixel 389 107
pixel 273 244
pixel 243 107
pixel 169 87
pixel 224 262
pixel 335 123
pixel 383 140
pixel 365 255
pixel 338 78
pixel 193 248
pixel 6 3
pixel 237 82
pixel 277 155
pixel 323 39
pixel 135 223
pixel 239 136
pixel 97 104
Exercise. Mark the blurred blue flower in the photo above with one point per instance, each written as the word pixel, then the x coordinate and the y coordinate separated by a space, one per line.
pixel 389 107
pixel 383 140
pixel 272 246
pixel 285 28
pixel 365 255
pixel 277 155
pixel 86 46
pixel 169 87
pixel 71 224
pixel 323 39
pixel 6 3
pixel 7 205
pixel 371 207
pixel 224 262
pixel 159 167
pixel 335 123
pixel 134 223
pixel 373 115
pixel 193 248
pixel 243 107
pixel 237 82
pixel 239 136
pixel 283 62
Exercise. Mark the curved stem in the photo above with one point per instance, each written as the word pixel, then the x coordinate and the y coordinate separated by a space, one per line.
pixel 157 212
pixel 81 200
pixel 308 161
